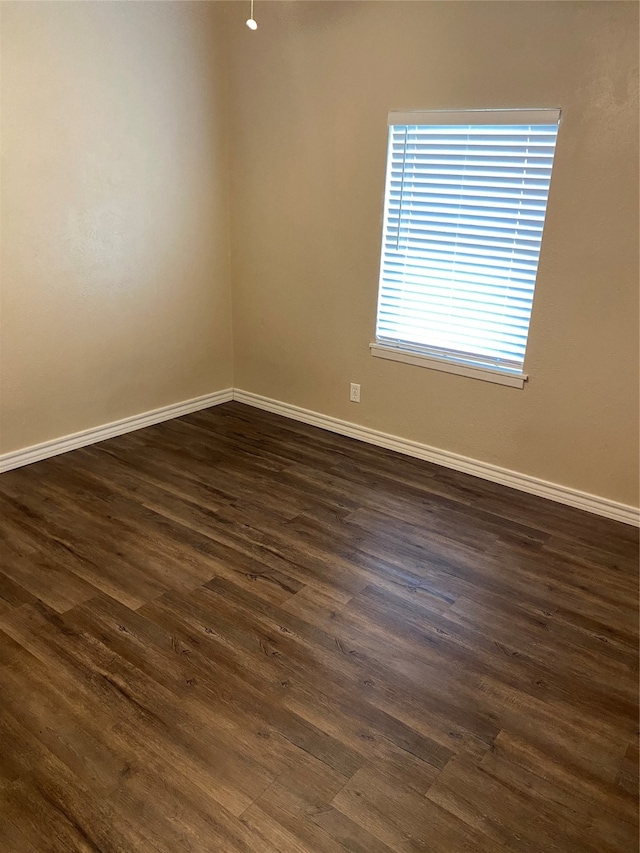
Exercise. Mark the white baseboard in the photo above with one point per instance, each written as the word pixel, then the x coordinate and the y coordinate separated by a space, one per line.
pixel 36 452
pixel 522 482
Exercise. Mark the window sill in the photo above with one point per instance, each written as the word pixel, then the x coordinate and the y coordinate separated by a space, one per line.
pixel 515 380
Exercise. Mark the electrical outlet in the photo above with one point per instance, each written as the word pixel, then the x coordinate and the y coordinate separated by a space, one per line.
pixel 354 394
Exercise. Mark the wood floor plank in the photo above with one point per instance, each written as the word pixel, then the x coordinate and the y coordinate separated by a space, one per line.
pixel 12 594
pixel 586 818
pixel 405 821
pixel 237 633
pixel 495 801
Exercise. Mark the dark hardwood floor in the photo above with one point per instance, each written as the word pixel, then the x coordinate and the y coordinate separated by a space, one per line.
pixel 232 632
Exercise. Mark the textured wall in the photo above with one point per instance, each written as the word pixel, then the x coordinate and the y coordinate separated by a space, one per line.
pixel 309 96
pixel 115 289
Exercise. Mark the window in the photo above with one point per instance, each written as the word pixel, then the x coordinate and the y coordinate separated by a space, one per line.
pixel 465 201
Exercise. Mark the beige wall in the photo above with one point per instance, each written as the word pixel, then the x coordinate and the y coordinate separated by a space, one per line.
pixel 115 290
pixel 309 96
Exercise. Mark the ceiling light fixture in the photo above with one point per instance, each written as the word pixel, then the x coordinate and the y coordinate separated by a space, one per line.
pixel 251 23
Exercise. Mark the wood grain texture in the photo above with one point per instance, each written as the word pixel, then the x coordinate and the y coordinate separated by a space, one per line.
pixel 232 632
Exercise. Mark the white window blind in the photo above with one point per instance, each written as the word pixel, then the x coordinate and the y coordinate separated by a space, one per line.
pixel 465 203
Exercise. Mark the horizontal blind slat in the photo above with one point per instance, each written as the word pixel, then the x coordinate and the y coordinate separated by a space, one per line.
pixel 464 215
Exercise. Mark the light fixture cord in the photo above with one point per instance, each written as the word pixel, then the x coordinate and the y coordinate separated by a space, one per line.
pixel 251 9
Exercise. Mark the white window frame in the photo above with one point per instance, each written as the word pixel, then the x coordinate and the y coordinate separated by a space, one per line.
pixel 430 357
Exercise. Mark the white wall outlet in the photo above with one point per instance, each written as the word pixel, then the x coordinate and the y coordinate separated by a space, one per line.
pixel 354 394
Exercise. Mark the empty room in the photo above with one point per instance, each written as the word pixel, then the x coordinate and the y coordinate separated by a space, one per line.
pixel 319 426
